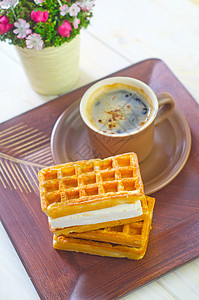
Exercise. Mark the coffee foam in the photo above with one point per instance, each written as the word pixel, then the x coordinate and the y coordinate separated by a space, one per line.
pixel 118 108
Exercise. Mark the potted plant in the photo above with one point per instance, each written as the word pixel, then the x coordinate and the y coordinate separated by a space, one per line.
pixel 46 34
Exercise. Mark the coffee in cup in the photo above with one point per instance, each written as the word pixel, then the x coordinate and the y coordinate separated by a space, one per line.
pixel 121 113
pixel 118 108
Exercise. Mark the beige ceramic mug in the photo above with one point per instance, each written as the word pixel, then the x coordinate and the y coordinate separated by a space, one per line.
pixel 138 140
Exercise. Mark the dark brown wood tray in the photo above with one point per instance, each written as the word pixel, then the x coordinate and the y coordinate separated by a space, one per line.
pixel 174 239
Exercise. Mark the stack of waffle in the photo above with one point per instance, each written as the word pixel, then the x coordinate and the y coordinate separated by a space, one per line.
pixel 98 206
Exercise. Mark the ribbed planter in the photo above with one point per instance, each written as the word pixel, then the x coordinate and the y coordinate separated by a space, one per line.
pixel 53 70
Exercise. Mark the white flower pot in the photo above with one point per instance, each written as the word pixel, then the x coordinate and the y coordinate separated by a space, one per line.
pixel 52 70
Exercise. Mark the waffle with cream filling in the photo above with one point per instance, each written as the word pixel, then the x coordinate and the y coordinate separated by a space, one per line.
pixel 129 240
pixel 72 193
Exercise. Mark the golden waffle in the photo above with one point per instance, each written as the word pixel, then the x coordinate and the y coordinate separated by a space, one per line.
pixel 131 234
pixel 90 185
pixel 127 241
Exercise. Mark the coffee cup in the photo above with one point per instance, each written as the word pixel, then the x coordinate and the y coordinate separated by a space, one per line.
pixel 120 114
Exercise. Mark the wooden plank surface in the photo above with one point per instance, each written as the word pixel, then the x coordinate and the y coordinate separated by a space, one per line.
pixel 174 239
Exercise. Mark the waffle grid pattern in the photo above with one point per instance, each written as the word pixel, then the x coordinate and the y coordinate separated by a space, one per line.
pixel 129 234
pixel 72 181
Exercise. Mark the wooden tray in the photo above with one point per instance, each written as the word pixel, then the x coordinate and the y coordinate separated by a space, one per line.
pixel 174 239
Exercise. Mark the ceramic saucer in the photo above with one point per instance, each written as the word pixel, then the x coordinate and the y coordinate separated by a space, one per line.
pixel 172 143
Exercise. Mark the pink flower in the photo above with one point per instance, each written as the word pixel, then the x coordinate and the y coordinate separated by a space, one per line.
pixel 65 28
pixel 5 26
pixel 6 4
pixel 22 28
pixel 34 41
pixel 86 4
pixel 64 9
pixel 74 10
pixel 39 16
pixel 76 23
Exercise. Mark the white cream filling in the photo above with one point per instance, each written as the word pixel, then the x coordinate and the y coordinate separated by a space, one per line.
pixel 118 212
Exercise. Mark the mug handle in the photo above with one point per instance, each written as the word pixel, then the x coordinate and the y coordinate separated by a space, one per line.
pixel 166 106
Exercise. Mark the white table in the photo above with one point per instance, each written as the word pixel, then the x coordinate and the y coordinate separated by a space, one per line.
pixel 121 33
